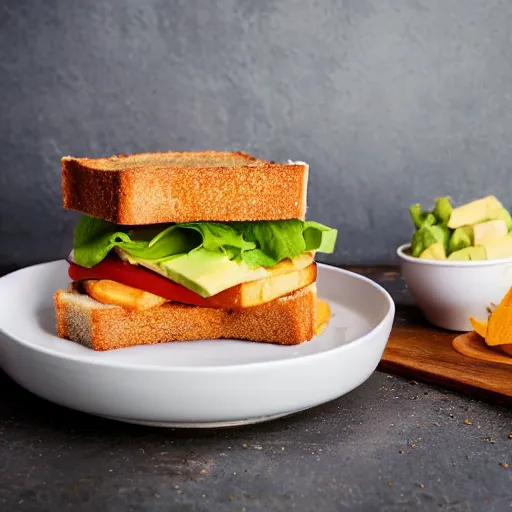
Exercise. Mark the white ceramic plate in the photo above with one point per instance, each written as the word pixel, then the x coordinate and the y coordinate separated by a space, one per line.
pixel 199 383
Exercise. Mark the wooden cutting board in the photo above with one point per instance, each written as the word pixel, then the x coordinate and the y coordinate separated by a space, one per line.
pixel 418 351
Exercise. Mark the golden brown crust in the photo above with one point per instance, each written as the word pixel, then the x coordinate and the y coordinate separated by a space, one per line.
pixel 289 320
pixel 143 161
pixel 184 187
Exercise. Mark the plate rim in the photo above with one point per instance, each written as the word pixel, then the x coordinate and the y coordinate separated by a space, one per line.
pixel 221 368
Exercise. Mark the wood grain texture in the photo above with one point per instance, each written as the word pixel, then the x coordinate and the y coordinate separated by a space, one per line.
pixel 471 344
pixel 418 351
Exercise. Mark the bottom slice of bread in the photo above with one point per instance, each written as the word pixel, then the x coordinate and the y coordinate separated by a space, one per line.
pixel 289 320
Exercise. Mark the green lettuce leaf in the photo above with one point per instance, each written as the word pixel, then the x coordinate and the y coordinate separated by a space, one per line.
pixel 213 236
pixel 94 239
pixel 319 237
pixel 257 258
pixel 262 243
pixel 277 239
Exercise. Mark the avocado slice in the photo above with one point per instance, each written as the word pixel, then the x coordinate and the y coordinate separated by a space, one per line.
pixel 460 239
pixel 469 254
pixel 428 235
pixel 474 212
pixel 208 272
pixel 434 252
pixel 204 272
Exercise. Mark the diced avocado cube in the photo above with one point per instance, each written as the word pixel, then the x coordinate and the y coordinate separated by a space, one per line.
pixel 503 214
pixel 460 239
pixel 421 218
pixel 430 220
pixel 417 215
pixel 469 254
pixel 500 248
pixel 480 210
pixel 489 231
pixel 443 210
pixel 434 252
pixel 428 235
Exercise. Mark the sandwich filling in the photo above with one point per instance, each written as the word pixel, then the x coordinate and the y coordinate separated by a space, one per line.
pixel 212 264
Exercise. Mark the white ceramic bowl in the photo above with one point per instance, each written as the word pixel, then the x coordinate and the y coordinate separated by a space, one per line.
pixel 449 292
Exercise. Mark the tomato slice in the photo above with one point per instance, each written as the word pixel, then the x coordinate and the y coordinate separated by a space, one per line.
pixel 141 278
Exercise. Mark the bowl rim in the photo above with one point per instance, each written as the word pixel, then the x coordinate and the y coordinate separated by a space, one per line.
pixel 448 263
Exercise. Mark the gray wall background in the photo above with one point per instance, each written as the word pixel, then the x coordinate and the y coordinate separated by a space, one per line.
pixel 390 101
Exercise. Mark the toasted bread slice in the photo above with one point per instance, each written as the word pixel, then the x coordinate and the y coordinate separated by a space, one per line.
pixel 153 188
pixel 289 320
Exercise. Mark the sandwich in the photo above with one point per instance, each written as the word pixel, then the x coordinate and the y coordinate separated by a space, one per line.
pixel 186 246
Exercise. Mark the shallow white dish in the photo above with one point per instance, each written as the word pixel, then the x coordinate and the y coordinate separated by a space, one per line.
pixel 449 292
pixel 192 384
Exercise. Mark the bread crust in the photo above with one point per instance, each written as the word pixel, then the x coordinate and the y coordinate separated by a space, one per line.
pixel 289 320
pixel 152 188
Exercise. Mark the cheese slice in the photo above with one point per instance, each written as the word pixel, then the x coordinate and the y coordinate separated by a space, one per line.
pixel 208 273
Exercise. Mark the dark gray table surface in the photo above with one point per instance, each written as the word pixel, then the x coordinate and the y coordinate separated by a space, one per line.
pixel 390 445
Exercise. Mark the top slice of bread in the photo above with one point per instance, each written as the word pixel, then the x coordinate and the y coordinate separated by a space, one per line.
pixel 152 188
